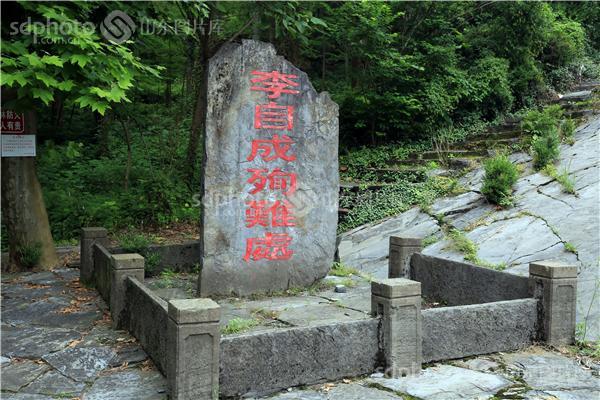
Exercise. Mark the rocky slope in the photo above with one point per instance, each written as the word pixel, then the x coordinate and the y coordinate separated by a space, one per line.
pixel 545 223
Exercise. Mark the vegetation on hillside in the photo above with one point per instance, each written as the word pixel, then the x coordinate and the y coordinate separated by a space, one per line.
pixel 118 140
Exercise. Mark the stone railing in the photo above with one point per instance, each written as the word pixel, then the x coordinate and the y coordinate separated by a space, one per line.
pixel 182 336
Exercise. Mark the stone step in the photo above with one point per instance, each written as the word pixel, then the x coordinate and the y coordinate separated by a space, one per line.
pixel 507 134
pixel 457 153
pixel 510 125
pixel 487 143
pixel 586 86
pixel 575 96
pixel 453 163
pixel 575 114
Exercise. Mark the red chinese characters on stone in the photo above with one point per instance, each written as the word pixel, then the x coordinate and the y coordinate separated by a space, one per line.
pixel 271 213
pixel 275 83
pixel 273 246
pixel 277 179
pixel 274 116
pixel 266 214
pixel 279 147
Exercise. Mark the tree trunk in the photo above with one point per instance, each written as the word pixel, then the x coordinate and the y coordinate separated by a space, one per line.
pixel 23 209
pixel 199 116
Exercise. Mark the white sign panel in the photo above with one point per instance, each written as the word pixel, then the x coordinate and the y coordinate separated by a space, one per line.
pixel 18 145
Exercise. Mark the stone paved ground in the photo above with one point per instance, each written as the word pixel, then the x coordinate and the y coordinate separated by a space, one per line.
pixel 57 343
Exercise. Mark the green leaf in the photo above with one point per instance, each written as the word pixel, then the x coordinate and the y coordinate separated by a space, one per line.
pixel 66 86
pixel 52 60
pixel 79 59
pixel 48 80
pixel 42 94
pixel 9 79
pixel 33 59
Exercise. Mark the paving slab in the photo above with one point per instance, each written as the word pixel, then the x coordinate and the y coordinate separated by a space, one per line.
pixel 20 373
pixel 478 364
pixel 446 382
pixel 82 364
pixel 54 383
pixel 25 396
pixel 342 391
pixel 129 384
pixel 546 372
pixel 34 342
pixel 319 315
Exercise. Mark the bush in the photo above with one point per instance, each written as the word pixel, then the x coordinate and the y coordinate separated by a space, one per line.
pixel 545 149
pixel 500 176
pixel 29 254
pixel 544 126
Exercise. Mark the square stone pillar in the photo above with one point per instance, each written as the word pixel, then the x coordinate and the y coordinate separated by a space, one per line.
pixel 401 250
pixel 123 265
pixel 398 303
pixel 555 285
pixel 88 237
pixel 193 349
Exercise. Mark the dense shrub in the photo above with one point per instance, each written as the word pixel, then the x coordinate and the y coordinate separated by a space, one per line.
pixel 500 176
pixel 545 126
pixel 545 148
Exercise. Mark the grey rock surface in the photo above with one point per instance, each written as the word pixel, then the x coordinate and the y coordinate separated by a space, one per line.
pixel 81 363
pixel 550 372
pixel 539 226
pixel 446 382
pixel 130 384
pixel 344 391
pixel 54 383
pixel 366 248
pixel 20 373
pixel 32 342
pixel 227 186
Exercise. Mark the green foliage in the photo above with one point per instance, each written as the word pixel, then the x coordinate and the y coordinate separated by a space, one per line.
pixel 134 242
pixel 405 74
pixel 500 176
pixel 545 149
pixel 239 325
pixel 544 126
pixel 570 247
pixel 429 240
pixel 562 177
pixel 584 347
pixel 373 205
pixel 29 254
pixel 73 62
pixel 461 243
pixel 151 262
pixel 567 129
pixel 84 185
pixel 339 269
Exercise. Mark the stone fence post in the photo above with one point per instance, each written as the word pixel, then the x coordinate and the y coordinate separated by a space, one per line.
pixel 193 349
pixel 122 266
pixel 555 285
pixel 88 237
pixel 398 303
pixel 401 250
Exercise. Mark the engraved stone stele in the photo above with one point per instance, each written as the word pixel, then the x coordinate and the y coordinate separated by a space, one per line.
pixel 256 97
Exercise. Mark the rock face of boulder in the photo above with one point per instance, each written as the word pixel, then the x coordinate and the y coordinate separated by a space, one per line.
pixel 271 181
pixel 545 224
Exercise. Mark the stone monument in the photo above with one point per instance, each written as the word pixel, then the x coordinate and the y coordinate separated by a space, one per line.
pixel 270 175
